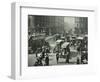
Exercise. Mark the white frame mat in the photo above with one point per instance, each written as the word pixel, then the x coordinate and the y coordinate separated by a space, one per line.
pixel 20 69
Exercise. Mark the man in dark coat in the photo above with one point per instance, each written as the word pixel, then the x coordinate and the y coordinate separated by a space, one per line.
pixel 68 54
pixel 47 60
pixel 57 56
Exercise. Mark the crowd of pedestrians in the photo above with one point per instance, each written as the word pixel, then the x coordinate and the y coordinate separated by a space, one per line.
pixel 61 50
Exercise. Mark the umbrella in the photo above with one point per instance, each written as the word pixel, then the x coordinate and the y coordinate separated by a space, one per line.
pixel 63 37
pixel 64 45
pixel 80 38
pixel 86 35
pixel 73 36
pixel 58 41
pixel 39 54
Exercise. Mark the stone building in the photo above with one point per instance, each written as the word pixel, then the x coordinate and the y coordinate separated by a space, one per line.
pixel 81 25
pixel 46 24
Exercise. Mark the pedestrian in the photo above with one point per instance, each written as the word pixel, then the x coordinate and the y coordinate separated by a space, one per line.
pixel 57 57
pixel 78 60
pixel 65 51
pixel 36 53
pixel 68 54
pixel 47 50
pixel 36 63
pixel 47 60
pixel 43 53
pixel 40 62
pixel 67 58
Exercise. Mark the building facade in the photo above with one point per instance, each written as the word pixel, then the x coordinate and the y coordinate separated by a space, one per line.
pixel 46 24
pixel 81 25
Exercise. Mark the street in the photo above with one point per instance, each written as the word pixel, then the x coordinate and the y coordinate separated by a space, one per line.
pixel 52 55
pixel 52 60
